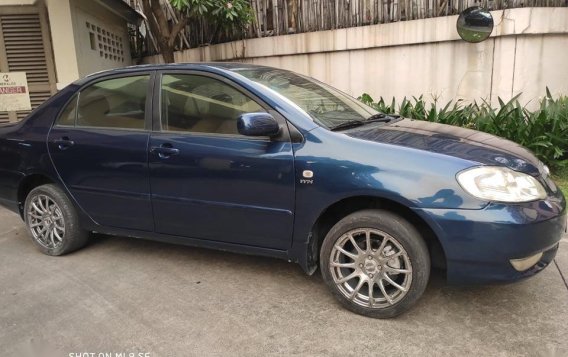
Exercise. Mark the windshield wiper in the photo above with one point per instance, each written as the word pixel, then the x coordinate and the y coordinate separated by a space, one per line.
pixel 347 124
pixel 375 118
pixel 381 117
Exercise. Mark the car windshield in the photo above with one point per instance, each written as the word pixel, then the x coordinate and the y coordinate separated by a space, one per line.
pixel 327 106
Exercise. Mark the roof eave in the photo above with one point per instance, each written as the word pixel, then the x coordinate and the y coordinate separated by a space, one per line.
pixel 123 10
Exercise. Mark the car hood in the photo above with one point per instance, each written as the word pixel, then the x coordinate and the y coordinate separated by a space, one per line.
pixel 450 140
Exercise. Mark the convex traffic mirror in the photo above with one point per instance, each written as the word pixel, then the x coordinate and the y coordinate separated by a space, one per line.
pixel 475 24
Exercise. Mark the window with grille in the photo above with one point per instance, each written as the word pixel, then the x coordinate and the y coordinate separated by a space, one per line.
pixel 25 47
pixel 108 44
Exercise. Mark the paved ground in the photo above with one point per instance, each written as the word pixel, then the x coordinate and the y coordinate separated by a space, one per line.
pixel 128 295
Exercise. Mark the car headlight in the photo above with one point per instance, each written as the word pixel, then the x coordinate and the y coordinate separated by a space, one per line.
pixel 502 184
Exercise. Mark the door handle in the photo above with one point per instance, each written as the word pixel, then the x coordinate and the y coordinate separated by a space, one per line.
pixel 64 143
pixel 164 152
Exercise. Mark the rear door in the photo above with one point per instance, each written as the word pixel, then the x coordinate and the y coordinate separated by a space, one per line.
pixel 208 181
pixel 99 145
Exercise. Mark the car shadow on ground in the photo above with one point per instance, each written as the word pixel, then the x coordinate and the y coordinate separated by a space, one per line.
pixel 240 262
pixel 479 299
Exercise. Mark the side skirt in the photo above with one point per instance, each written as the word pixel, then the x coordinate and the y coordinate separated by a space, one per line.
pixel 193 242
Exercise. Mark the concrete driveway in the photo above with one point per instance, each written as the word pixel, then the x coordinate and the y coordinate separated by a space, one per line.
pixel 124 295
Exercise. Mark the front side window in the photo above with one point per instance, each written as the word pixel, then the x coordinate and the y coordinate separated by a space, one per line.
pixel 200 104
pixel 114 103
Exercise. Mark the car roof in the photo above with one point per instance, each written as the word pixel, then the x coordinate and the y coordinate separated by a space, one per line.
pixel 223 66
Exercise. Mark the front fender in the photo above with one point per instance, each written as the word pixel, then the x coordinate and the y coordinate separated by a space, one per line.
pixel 341 167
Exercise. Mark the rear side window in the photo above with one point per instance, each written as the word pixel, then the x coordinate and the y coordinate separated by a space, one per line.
pixel 67 116
pixel 200 104
pixel 114 103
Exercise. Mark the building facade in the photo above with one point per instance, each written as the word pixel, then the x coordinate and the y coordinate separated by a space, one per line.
pixel 59 41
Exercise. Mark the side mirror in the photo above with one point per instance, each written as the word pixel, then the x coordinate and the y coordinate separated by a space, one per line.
pixel 257 124
pixel 475 24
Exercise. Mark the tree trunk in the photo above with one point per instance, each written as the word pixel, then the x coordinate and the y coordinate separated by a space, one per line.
pixel 159 26
pixel 167 52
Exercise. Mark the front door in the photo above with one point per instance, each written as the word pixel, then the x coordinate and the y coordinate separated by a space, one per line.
pixel 209 182
pixel 99 145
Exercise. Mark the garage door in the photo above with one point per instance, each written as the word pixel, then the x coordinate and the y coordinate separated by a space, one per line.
pixel 25 46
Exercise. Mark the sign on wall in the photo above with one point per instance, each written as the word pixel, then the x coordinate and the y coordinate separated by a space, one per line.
pixel 14 93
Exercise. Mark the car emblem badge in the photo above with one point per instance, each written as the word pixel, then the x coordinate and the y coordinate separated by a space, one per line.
pixel 308 175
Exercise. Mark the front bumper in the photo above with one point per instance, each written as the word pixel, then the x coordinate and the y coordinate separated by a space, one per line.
pixel 480 244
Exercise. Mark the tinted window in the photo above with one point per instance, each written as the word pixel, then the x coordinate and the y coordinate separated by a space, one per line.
pixel 67 116
pixel 202 104
pixel 114 103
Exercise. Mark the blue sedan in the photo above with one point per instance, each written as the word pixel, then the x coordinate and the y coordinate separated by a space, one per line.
pixel 265 161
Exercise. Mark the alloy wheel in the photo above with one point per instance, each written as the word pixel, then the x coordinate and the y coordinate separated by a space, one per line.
pixel 46 222
pixel 371 268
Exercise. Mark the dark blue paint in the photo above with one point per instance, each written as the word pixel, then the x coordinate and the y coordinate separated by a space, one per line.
pixel 478 241
pixel 106 170
pixel 224 188
pixel 244 193
pixel 453 141
pixel 258 124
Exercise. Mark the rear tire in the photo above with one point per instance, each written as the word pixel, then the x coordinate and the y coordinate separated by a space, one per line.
pixel 375 263
pixel 52 221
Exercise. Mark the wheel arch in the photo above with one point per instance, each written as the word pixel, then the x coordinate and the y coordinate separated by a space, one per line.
pixel 340 209
pixel 27 184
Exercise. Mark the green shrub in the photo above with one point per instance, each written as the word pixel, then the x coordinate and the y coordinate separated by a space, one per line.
pixel 544 130
pixel 561 177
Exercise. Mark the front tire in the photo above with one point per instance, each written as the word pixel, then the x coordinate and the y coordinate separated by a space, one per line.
pixel 375 263
pixel 52 221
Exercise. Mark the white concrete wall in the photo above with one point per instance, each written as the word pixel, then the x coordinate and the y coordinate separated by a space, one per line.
pixel 18 2
pixel 62 41
pixel 528 51
pixel 90 60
